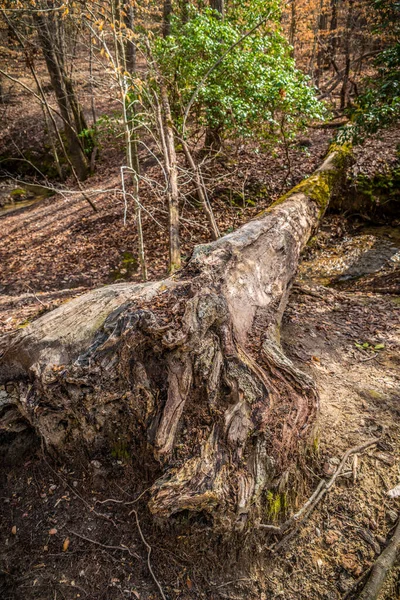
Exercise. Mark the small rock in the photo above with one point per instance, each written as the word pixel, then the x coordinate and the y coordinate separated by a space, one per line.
pixel 373 524
pixel 395 492
pixel 392 515
pixel 328 469
pixel 96 464
pixel 380 539
pixel 14 530
pixel 75 483
pixel 317 532
pixel 53 531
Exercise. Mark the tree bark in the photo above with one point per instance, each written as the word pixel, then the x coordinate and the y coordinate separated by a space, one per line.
pixel 167 12
pixel 173 189
pixel 218 5
pixel 66 100
pixel 293 25
pixel 188 373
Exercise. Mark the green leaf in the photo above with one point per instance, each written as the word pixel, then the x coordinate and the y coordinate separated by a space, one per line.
pixel 379 346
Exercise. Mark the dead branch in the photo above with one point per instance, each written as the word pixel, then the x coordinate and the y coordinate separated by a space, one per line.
pixel 323 487
pixel 382 567
pixel 148 547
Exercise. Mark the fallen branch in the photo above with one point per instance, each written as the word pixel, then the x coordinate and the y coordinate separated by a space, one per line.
pixel 148 547
pixel 330 124
pixel 382 567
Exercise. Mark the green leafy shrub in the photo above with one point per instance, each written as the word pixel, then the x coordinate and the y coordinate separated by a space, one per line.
pixel 255 90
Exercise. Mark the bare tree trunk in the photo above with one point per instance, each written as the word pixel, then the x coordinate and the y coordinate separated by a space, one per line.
pixel 321 54
pixel 167 12
pixel 130 51
pixel 346 76
pixel 293 24
pixel 189 373
pixel 63 96
pixel 128 60
pixel 333 28
pixel 218 5
pixel 173 190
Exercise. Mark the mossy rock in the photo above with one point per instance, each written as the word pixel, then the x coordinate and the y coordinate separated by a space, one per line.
pixel 128 266
pixel 19 194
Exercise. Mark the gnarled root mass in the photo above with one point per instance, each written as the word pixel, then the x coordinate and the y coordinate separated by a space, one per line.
pixel 186 375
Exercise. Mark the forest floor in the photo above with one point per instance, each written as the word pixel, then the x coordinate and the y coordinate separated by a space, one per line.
pixel 63 536
pixel 71 541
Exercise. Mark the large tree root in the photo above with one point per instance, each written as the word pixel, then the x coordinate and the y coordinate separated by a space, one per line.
pixel 187 375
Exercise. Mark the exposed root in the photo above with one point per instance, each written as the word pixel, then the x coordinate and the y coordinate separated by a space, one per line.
pixel 148 547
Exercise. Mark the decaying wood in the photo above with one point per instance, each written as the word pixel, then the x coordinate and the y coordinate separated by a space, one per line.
pixel 187 375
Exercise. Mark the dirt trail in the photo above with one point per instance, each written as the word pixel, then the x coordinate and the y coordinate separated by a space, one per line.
pixel 360 400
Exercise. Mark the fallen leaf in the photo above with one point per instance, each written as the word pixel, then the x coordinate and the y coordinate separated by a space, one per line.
pixel 350 563
pixel 331 537
pixel 66 544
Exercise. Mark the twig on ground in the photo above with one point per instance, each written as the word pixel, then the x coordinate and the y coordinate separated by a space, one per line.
pixel 148 547
pixel 301 516
pixel 129 503
pixel 369 357
pixel 90 508
pixel 106 546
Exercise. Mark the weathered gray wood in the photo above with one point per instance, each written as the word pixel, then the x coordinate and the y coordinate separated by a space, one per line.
pixel 187 374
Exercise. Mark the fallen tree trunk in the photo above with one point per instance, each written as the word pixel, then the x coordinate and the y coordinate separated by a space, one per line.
pixel 187 375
